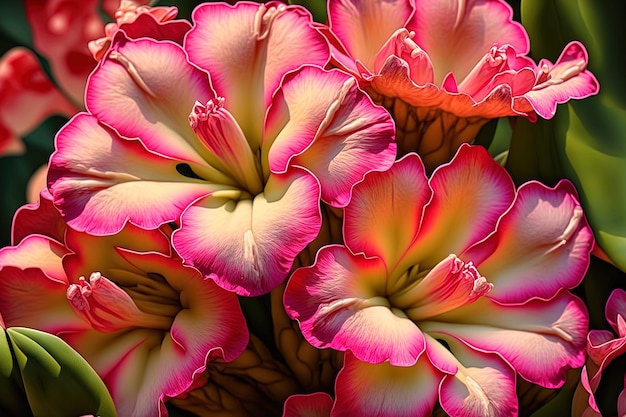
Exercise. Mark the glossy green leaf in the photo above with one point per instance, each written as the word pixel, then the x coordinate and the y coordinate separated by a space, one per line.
pixel 586 140
pixel 58 382
pixel 12 397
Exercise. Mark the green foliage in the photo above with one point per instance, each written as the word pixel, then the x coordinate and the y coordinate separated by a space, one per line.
pixel 42 376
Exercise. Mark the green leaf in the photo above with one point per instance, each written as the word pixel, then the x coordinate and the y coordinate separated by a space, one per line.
pixel 58 382
pixel 586 140
pixel 13 400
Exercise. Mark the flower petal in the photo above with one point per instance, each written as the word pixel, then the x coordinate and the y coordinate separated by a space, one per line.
pixel 38 218
pixel 339 302
pixel 317 404
pixel 615 307
pixel 472 186
pixel 364 26
pixel 248 246
pixel 386 209
pixel 133 91
pixel 321 120
pixel 247 48
pixel 456 34
pixel 540 340
pixel 366 390
pixel 100 184
pixel 566 79
pixel 541 245
pixel 482 385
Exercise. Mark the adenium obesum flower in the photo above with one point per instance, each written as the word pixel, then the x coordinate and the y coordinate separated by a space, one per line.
pixel 603 348
pixel 145 322
pixel 448 288
pixel 233 138
pixel 445 68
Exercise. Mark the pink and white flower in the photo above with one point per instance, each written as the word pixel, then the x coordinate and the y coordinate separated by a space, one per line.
pixel 145 322
pixel 603 348
pixel 233 138
pixel 447 289
pixel 444 68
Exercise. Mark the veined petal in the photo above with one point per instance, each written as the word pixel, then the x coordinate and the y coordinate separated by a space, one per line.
pixel 322 121
pixel 566 79
pixel 483 386
pixel 456 34
pixel 317 404
pixel 540 340
pixel 369 390
pixel 145 89
pixel 364 26
pixel 340 303
pixel 248 245
pixel 385 211
pixel 541 245
pixel 469 195
pixel 100 184
pixel 247 48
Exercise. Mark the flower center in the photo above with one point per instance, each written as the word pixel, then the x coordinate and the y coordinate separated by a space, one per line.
pixel 109 308
pixel 229 149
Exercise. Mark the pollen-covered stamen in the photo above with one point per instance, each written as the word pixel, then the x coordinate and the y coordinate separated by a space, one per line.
pixel 229 150
pixel 450 284
pixel 108 308
pixel 264 18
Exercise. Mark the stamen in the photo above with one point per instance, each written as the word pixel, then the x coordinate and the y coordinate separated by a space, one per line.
pixel 264 18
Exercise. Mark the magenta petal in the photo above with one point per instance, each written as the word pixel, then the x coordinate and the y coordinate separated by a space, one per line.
pixel 322 121
pixel 38 218
pixel 247 48
pixel 541 245
pixel 386 209
pixel 248 246
pixel 566 79
pixel 456 34
pixel 340 303
pixel 615 307
pixel 469 195
pixel 100 184
pixel 540 340
pixel 364 26
pixel 367 390
pixel 146 89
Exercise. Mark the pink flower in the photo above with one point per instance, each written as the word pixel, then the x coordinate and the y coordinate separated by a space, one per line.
pixel 603 347
pixel 444 68
pixel 238 163
pixel 146 323
pixel 27 98
pixel 447 288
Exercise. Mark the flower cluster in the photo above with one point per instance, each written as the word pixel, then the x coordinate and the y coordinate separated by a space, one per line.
pixel 254 214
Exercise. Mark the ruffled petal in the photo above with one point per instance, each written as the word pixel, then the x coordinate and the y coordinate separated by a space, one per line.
pixel 248 245
pixel 364 26
pixel 38 218
pixel 248 48
pixel 615 307
pixel 469 195
pixel 146 89
pixel 386 209
pixel 100 184
pixel 456 34
pixel 541 245
pixel 484 385
pixel 566 79
pixel 340 303
pixel 33 285
pixel 368 390
pixel 322 121
pixel 540 340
